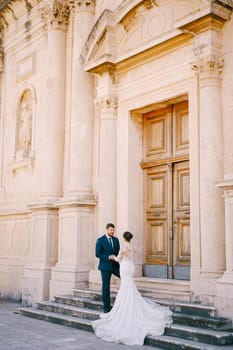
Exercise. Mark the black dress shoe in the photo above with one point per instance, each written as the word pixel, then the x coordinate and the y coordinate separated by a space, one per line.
pixel 108 310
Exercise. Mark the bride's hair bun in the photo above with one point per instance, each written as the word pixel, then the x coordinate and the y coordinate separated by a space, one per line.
pixel 127 236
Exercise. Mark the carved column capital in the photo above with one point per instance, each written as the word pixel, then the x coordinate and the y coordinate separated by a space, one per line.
pixel 210 67
pixel 82 5
pixel 107 107
pixel 55 14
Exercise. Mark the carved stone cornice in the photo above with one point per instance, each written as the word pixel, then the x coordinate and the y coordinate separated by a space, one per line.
pixel 82 5
pixel 107 107
pixel 55 14
pixel 209 68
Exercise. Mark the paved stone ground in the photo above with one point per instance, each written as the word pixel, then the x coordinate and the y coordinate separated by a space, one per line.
pixel 18 332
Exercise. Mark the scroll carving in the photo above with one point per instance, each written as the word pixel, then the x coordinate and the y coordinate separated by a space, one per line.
pixel 210 67
pixel 107 105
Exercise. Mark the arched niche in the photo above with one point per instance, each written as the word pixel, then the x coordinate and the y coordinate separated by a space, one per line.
pixel 24 120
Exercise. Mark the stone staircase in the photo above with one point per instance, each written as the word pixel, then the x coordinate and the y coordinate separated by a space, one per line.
pixel 160 288
pixel 195 326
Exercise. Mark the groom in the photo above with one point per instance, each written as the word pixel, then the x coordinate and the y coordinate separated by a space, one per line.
pixel 106 247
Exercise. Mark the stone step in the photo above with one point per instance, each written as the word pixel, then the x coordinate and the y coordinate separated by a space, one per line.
pixel 160 288
pixel 163 342
pixel 70 310
pixel 199 335
pixel 214 323
pixel 160 283
pixel 91 294
pixel 188 307
pixel 172 343
pixel 79 302
pixel 65 320
pixel 161 293
pixel 175 305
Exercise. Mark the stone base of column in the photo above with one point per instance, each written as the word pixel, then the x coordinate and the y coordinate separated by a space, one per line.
pixel 76 246
pixel 66 278
pixel 95 279
pixel 37 273
pixel 35 284
pixel 225 285
pixel 203 288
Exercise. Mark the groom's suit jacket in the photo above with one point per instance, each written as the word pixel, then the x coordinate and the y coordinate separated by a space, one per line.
pixel 103 250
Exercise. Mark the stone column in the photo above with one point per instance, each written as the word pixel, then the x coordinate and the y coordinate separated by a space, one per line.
pixel 37 273
pixel 76 208
pixel 107 107
pixel 80 116
pixel 55 18
pixel 209 71
pixel 225 283
pixel 1 101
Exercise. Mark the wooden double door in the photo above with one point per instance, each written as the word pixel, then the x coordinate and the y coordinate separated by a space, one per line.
pixel 167 192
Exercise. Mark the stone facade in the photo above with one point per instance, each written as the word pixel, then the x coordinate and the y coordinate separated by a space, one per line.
pixel 76 80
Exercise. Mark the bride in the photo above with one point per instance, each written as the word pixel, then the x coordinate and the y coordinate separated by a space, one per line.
pixel 132 317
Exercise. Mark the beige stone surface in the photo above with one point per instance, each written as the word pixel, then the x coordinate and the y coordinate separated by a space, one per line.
pixel 76 78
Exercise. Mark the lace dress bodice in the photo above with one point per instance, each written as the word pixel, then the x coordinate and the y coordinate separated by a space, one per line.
pixel 126 253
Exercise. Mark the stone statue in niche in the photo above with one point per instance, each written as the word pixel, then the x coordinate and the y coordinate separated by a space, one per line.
pixel 24 127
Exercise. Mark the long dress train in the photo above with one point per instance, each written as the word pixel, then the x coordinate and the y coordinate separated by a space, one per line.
pixel 132 316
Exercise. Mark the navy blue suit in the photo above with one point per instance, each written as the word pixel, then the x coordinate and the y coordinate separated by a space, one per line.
pixel 107 267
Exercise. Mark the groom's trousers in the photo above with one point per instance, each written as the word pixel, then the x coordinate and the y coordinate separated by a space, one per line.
pixel 106 278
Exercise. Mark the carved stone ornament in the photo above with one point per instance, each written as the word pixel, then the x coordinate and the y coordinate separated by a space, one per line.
pixel 210 67
pixel 24 126
pixel 1 58
pixel 1 46
pixel 107 105
pixel 55 14
pixel 82 5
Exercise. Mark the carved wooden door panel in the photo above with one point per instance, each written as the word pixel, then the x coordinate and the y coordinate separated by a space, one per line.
pixel 157 214
pixel 166 192
pixel 181 220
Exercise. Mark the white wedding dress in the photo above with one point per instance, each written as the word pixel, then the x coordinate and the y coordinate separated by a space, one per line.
pixel 132 316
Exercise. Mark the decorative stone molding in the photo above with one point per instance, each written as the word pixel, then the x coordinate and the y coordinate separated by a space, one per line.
pixel 210 67
pixel 55 14
pixel 1 59
pixel 225 3
pixel 129 19
pixel 107 106
pixel 227 186
pixel 148 4
pixel 24 164
pixel 82 5
pixel 1 45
